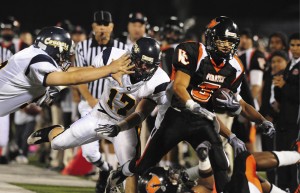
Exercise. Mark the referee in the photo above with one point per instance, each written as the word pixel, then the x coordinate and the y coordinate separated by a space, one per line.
pixel 101 39
pixel 85 53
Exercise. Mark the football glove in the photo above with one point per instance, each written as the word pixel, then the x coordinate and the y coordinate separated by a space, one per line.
pixel 230 104
pixel 237 145
pixel 267 128
pixel 49 96
pixel 108 130
pixel 198 110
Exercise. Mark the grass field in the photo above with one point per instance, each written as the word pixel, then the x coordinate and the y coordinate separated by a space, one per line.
pixel 55 189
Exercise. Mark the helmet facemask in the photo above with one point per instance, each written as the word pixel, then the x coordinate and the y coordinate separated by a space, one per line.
pixel 144 70
pixel 225 47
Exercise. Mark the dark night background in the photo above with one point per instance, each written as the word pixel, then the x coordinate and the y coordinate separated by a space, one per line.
pixel 263 17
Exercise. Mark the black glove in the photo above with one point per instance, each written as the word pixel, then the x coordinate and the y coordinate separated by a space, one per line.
pixel 237 145
pixel 267 128
pixel 49 96
pixel 230 104
pixel 108 130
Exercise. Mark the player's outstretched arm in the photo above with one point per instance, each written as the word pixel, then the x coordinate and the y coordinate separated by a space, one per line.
pixel 143 109
pixel 85 75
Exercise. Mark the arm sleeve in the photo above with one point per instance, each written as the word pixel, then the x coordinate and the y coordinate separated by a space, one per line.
pixel 185 57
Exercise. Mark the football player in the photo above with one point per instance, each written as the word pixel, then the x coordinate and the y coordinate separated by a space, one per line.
pixel 142 90
pixel 186 117
pixel 27 76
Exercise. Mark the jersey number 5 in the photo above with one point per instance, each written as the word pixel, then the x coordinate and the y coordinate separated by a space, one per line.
pixel 206 90
pixel 129 102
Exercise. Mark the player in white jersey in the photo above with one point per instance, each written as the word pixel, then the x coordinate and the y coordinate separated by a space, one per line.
pixel 26 76
pixel 137 92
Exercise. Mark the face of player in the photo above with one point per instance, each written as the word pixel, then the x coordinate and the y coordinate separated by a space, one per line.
pixel 136 30
pixel 278 64
pixel 224 45
pixel 142 69
pixel 102 32
pixel 295 48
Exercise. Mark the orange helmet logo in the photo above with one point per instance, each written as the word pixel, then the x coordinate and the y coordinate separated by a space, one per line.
pixel 154 184
pixel 213 23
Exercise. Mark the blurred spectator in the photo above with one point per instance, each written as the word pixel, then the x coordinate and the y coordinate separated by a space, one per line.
pixel 287 95
pixel 78 34
pixel 26 37
pixel 154 32
pixel 25 123
pixel 277 41
pixel 254 63
pixel 136 28
pixel 9 33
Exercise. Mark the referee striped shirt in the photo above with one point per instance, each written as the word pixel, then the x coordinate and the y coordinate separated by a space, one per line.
pixel 85 54
pixel 5 54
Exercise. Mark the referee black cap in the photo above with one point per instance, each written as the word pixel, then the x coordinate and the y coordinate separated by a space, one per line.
pixel 102 17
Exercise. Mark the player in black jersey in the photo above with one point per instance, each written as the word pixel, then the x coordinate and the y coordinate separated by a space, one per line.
pixel 187 116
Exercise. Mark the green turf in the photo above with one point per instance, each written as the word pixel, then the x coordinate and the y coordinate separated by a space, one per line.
pixel 56 189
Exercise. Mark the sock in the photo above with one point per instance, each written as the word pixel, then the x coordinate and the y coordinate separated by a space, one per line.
pixel 286 158
pixel 204 165
pixel 126 169
pixel 103 165
pixel 275 189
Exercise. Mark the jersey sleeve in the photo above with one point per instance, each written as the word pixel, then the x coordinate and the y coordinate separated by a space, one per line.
pixel 185 57
pixel 39 71
pixel 157 87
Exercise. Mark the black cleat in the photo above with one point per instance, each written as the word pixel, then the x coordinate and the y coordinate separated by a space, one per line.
pixel 41 136
pixel 203 150
pixel 115 179
pixel 102 180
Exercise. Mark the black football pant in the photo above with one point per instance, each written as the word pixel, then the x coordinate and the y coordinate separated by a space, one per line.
pixel 184 126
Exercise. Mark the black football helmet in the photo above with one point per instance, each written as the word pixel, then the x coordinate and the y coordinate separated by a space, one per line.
pixel 157 180
pixel 57 43
pixel 165 180
pixel 145 55
pixel 172 31
pixel 219 32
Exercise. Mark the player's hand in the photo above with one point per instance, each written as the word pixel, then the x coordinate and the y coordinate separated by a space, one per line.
pixel 230 104
pixel 203 112
pixel 267 128
pixel 108 130
pixel 122 64
pixel 237 145
pixel 49 96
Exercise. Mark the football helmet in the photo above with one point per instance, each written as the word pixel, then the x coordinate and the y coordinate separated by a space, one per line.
pixel 145 55
pixel 57 43
pixel 222 37
pixel 172 30
pixel 165 180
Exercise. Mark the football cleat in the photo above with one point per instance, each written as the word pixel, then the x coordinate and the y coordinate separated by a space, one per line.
pixel 102 180
pixel 115 178
pixel 40 136
pixel 203 150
